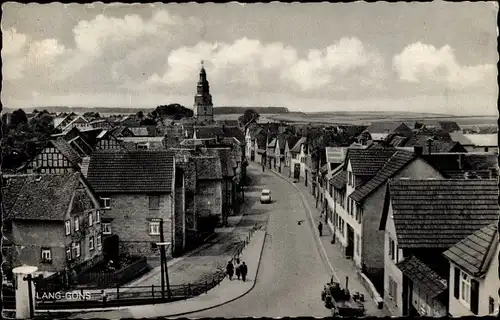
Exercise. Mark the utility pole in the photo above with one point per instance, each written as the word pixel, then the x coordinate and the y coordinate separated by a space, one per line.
pixel 164 266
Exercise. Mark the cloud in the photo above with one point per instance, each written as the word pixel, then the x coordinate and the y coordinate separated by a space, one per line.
pixel 272 66
pixel 421 63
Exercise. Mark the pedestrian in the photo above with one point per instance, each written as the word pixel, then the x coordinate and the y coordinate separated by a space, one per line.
pixel 104 298
pixel 237 268
pixel 320 229
pixel 230 270
pixel 244 271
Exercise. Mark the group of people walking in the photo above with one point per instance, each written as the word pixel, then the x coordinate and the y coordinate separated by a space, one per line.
pixel 238 267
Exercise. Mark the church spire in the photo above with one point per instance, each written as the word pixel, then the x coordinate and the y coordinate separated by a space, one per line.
pixel 203 107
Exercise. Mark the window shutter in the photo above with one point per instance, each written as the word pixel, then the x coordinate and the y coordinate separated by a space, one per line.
pixel 474 296
pixel 456 288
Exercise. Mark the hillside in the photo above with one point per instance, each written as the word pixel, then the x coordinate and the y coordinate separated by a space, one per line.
pixel 120 110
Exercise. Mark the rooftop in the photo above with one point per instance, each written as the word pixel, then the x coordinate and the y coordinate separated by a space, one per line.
pixel 473 254
pixel 127 171
pixel 398 161
pixel 39 196
pixel 439 213
pixel 424 277
pixel 366 162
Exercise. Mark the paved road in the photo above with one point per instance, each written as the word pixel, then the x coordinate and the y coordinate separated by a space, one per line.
pixel 291 274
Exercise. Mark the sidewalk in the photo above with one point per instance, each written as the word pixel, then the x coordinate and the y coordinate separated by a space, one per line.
pixel 199 264
pixel 224 293
pixel 337 263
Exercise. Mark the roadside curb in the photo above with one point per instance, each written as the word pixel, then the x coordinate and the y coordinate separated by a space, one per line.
pixel 371 290
pixel 235 298
pixel 81 312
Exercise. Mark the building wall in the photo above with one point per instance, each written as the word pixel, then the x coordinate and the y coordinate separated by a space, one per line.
pixel 29 238
pixel 131 216
pixel 426 306
pixel 488 287
pixel 372 238
pixel 209 197
pixel 391 271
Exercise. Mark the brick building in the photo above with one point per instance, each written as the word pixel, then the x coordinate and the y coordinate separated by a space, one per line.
pixel 135 189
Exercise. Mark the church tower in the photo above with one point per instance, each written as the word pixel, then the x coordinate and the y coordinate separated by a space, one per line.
pixel 203 107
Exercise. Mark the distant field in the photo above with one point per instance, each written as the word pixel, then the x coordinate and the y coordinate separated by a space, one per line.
pixel 368 117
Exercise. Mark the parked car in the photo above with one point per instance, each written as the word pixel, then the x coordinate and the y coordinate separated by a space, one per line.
pixel 265 196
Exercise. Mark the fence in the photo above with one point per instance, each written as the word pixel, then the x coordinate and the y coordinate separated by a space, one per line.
pixel 116 278
pixel 91 297
pixel 123 296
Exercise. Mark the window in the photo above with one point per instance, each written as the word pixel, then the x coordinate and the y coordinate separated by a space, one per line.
pixel 154 228
pixel 350 178
pixel 67 224
pixel 98 216
pixel 106 228
pixel 105 203
pixel 491 305
pixel 91 243
pixel 465 288
pixel 99 241
pixel 142 146
pixel 91 219
pixel 393 290
pixel 46 255
pixel 358 244
pixel 392 249
pixel 77 224
pixel 68 254
pixel 75 248
pixel 154 202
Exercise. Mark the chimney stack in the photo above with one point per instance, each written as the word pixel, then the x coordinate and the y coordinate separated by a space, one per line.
pixel 429 145
pixel 419 150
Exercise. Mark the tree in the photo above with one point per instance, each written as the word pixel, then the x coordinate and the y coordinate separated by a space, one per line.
pixel 148 122
pixel 175 111
pixel 18 117
pixel 250 115
pixel 91 114
pixel 140 114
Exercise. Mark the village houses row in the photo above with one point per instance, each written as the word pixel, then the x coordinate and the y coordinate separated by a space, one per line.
pixel 94 192
pixel 413 209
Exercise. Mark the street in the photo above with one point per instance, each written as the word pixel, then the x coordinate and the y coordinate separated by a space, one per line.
pixel 291 274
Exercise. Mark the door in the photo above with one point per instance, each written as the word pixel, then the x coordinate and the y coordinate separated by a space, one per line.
pixel 110 247
pixel 252 155
pixel 349 252
pixel 296 171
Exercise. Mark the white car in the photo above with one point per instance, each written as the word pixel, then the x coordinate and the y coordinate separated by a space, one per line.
pixel 265 196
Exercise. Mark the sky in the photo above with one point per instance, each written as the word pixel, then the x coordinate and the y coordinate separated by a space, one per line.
pixel 437 57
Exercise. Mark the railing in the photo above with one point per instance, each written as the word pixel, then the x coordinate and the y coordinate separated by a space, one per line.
pixel 127 295
pixel 91 297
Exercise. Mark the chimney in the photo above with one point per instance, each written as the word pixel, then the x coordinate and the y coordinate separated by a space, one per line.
pixel 460 161
pixel 429 145
pixel 419 150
